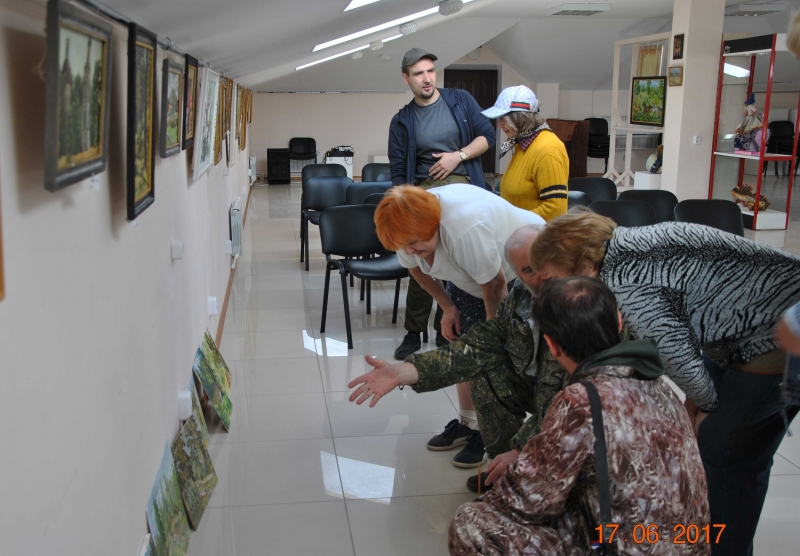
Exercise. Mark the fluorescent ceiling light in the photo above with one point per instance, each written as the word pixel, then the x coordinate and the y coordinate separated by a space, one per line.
pixel 381 27
pixel 579 9
pixel 358 3
pixel 351 51
pixel 735 71
pixel 754 9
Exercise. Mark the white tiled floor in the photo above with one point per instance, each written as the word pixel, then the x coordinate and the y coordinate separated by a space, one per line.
pixel 305 472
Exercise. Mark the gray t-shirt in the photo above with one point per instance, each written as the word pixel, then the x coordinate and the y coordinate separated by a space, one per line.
pixel 437 132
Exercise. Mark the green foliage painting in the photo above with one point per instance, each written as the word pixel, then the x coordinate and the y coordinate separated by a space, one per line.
pixel 165 514
pixel 216 361
pixel 174 92
pixel 80 97
pixel 647 101
pixel 143 119
pixel 215 387
pixel 196 475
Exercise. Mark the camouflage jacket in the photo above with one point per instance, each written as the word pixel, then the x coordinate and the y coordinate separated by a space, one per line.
pixel 494 348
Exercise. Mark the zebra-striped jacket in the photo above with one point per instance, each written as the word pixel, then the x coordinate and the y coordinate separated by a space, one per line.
pixel 691 288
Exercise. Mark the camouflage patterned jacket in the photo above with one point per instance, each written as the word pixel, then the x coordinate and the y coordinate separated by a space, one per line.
pixel 495 348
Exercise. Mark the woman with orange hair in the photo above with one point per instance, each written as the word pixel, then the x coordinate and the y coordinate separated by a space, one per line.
pixel 455 233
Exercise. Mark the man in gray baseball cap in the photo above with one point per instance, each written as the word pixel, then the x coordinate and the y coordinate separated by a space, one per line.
pixel 437 139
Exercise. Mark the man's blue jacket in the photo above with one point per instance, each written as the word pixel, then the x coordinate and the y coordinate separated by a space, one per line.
pixel 403 136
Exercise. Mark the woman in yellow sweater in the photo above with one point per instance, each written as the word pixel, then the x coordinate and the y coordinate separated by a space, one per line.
pixel 536 178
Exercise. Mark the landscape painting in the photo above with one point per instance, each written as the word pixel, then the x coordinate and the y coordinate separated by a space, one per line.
pixel 166 517
pixel 196 475
pixel 141 119
pixel 78 95
pixel 210 350
pixel 219 125
pixel 190 97
pixel 171 100
pixel 206 123
pixel 648 98
pixel 214 387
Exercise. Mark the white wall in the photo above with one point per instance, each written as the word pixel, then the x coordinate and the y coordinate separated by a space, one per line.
pixel 99 327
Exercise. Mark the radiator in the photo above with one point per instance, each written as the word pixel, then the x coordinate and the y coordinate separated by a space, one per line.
pixel 237 214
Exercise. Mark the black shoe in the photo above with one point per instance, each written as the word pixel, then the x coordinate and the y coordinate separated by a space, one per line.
pixel 441 340
pixel 472 482
pixel 410 344
pixel 455 434
pixel 473 454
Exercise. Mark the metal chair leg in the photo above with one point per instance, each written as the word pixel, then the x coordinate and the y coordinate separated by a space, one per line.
pixel 306 244
pixel 369 297
pixel 396 301
pixel 302 235
pixel 325 297
pixel 343 275
pixel 362 291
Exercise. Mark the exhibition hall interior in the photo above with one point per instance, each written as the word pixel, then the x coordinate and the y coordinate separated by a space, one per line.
pixel 181 312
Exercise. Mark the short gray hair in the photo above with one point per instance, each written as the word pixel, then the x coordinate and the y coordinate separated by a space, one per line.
pixel 521 237
pixel 523 121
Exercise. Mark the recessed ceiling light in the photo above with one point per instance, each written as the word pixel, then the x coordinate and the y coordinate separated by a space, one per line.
pixel 351 51
pixel 735 71
pixel 754 9
pixel 579 9
pixel 381 27
pixel 358 3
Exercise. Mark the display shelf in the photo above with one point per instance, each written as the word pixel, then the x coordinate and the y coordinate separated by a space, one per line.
pixel 753 47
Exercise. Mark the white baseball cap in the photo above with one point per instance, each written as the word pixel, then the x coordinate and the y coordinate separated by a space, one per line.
pixel 513 99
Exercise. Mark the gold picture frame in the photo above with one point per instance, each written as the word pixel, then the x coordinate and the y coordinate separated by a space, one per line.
pixel 650 60
pixel 676 76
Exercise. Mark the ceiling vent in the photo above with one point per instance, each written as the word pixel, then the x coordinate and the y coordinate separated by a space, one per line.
pixel 579 9
pixel 745 10
pixel 450 7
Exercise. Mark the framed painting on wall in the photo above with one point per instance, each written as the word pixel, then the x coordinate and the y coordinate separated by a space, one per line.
pixel 142 47
pixel 171 108
pixel 206 123
pixel 648 99
pixel 675 76
pixel 190 99
pixel 219 125
pixel 78 95
pixel 650 60
pixel 677 47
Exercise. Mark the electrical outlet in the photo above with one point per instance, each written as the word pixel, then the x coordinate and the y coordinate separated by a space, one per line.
pixel 228 247
pixel 696 139
pixel 212 307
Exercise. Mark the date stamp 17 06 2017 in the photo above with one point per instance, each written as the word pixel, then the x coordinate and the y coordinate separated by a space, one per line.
pixel 651 534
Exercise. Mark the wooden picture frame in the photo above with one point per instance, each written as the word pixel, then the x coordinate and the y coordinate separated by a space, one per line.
pixel 676 76
pixel 650 60
pixel 77 109
pixel 678 47
pixel 171 108
pixel 219 124
pixel 205 126
pixel 190 101
pixel 142 119
pixel 648 100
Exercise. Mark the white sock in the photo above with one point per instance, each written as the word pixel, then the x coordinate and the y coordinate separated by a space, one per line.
pixel 469 418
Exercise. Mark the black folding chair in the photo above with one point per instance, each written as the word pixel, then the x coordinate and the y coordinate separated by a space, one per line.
pixel 371 171
pixel 317 171
pixel 717 213
pixel 599 140
pixel 663 202
pixel 629 214
pixel 599 189
pixel 319 194
pixel 578 198
pixel 358 192
pixel 349 231
pixel 374 199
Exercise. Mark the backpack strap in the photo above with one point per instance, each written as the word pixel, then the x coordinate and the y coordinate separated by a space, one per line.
pixel 600 453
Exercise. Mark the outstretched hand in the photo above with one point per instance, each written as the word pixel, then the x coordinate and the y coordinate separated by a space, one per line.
pixel 381 380
pixel 499 465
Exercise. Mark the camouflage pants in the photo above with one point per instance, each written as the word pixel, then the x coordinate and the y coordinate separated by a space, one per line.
pixel 479 528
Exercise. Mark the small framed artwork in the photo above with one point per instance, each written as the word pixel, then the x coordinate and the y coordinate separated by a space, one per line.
pixel 677 47
pixel 650 60
pixel 206 122
pixel 78 95
pixel 171 102
pixel 189 97
pixel 648 99
pixel 142 47
pixel 675 76
pixel 219 125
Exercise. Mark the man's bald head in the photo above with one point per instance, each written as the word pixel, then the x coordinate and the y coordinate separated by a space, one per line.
pixel 517 249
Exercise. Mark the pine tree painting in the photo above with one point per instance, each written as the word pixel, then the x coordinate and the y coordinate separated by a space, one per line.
pixel 196 475
pixel 216 361
pixel 166 516
pixel 214 386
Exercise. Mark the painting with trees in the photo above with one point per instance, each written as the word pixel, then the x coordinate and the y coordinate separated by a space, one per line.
pixel 171 108
pixel 190 96
pixel 206 123
pixel 648 99
pixel 215 385
pixel 78 95
pixel 166 517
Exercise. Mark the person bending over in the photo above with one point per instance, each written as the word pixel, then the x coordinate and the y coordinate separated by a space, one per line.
pixel 547 503
pixel 508 366
pixel 710 300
